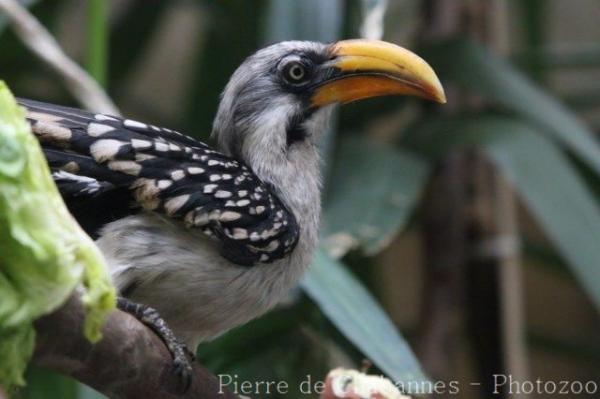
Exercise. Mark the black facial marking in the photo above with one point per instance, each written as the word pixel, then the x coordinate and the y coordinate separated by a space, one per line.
pixel 295 129
pixel 295 133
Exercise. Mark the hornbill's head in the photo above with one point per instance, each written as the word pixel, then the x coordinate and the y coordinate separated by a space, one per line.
pixel 278 101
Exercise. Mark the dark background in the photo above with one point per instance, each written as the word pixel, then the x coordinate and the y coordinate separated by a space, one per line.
pixel 475 226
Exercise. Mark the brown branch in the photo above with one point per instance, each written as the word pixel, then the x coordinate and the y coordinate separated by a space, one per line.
pixel 129 362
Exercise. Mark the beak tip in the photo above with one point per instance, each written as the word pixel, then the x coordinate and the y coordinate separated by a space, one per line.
pixel 437 91
pixel 441 98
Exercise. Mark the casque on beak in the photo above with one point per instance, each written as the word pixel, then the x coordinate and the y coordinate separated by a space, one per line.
pixel 371 68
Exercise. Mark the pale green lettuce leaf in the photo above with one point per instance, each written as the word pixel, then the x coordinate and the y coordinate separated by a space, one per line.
pixel 44 254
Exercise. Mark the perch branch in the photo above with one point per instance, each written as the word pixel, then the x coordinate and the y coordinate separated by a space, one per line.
pixel 41 42
pixel 129 362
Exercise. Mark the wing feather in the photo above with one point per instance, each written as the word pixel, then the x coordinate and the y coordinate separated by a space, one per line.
pixel 165 171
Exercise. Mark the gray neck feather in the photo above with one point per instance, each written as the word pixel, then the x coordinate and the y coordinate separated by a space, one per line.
pixel 293 171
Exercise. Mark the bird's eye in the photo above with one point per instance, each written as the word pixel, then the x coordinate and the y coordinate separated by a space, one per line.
pixel 295 72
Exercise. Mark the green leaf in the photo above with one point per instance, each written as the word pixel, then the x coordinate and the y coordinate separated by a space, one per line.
pixel 354 311
pixel 85 392
pixel 543 176
pixel 44 384
pixel 481 71
pixel 557 196
pixel 373 190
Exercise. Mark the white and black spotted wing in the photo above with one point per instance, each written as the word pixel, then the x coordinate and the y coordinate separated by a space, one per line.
pixel 107 167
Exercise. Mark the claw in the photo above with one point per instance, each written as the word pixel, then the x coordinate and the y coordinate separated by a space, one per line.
pixel 182 370
pixel 181 366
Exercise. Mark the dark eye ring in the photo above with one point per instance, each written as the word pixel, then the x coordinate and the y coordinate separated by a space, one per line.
pixel 295 72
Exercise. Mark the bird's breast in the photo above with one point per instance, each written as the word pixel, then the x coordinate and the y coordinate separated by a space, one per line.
pixel 180 272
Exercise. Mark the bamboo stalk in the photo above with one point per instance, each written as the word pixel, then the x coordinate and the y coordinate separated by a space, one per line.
pixel 444 231
pixel 97 36
pixel 505 218
pixel 497 318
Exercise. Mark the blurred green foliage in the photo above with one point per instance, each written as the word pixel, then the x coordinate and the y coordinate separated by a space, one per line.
pixel 542 147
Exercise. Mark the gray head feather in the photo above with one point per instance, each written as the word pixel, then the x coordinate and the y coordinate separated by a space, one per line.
pixel 256 102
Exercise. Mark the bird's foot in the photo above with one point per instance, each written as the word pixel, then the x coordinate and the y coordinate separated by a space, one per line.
pixel 182 367
pixel 182 370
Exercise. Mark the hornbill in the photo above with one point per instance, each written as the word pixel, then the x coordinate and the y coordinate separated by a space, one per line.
pixel 212 238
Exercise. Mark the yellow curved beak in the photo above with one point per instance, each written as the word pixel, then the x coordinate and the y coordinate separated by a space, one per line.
pixel 371 68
